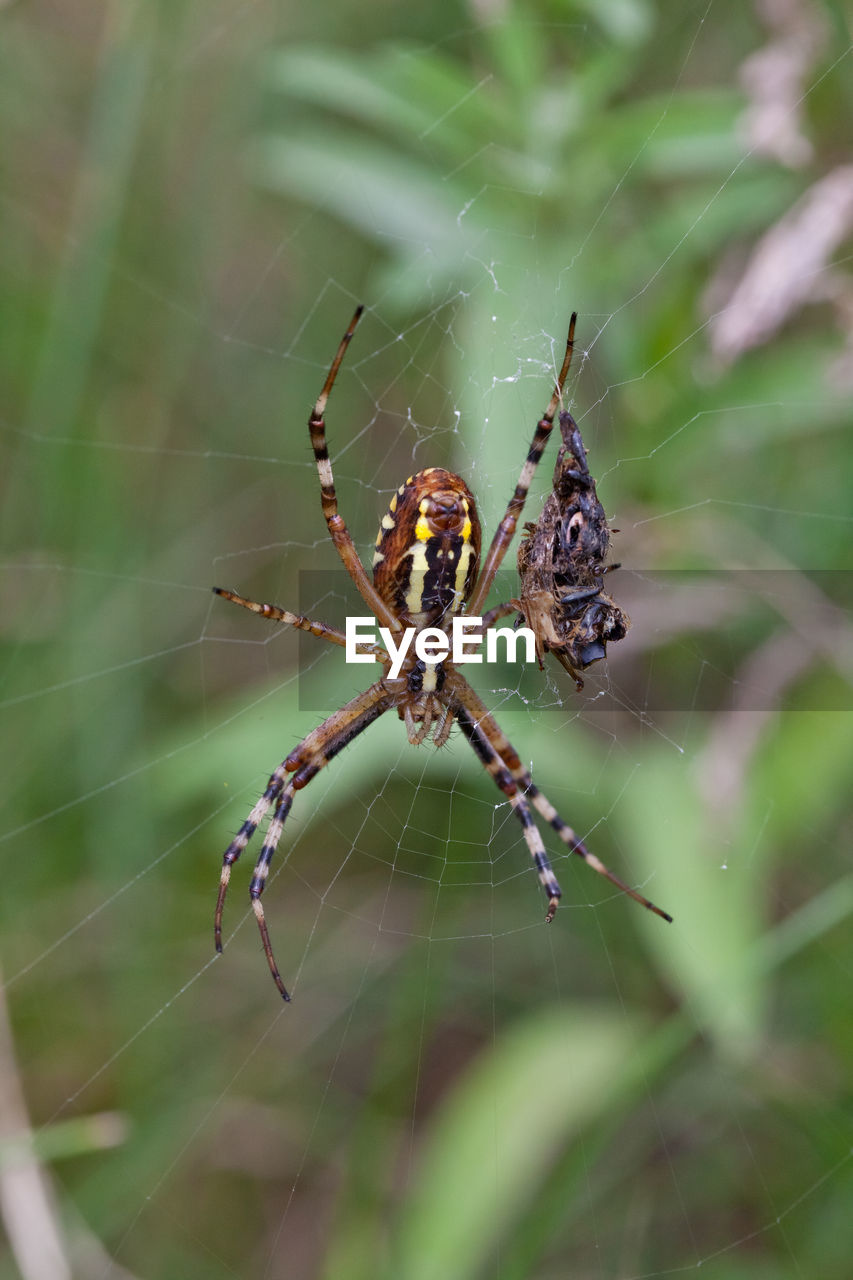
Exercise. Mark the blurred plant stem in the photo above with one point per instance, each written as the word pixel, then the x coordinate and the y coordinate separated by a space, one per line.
pixel 27 1201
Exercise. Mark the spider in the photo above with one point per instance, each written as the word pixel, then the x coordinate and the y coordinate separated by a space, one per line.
pixel 425 572
pixel 561 566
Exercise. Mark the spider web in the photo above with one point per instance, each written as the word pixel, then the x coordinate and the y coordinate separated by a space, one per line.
pixel 456 1089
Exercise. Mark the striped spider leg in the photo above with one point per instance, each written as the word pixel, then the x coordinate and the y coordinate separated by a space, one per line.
pixel 298 620
pixel 502 762
pixel 304 763
pixel 506 529
pixel 425 573
pixel 340 534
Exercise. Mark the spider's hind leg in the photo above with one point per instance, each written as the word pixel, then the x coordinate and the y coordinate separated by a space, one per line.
pixel 576 845
pixel 304 763
pixel 490 736
pixel 259 879
pixel 503 778
pixel 238 844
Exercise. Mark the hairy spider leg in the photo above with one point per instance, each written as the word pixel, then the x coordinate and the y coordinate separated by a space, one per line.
pixel 499 772
pixel 508 755
pixel 311 755
pixel 340 534
pixel 506 529
pixel 298 620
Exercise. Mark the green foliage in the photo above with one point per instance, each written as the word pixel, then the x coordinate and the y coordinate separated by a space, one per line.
pixel 475 1179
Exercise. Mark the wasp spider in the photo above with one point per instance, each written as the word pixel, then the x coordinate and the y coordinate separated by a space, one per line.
pixel 426 570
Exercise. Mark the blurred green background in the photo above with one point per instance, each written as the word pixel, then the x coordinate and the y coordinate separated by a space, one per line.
pixel 193 197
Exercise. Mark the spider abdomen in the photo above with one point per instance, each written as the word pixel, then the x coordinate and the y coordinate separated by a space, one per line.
pixel 428 548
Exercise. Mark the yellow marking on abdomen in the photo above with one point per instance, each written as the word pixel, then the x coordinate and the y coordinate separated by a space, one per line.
pixel 417 576
pixel 466 553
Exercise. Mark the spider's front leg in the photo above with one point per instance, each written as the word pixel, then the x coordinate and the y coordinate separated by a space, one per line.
pixel 304 763
pixel 506 529
pixel 335 522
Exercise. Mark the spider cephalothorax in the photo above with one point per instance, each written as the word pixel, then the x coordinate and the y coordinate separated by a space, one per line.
pixel 561 566
pixel 425 571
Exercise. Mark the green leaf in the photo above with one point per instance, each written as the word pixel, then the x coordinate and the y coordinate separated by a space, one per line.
pixel 711 887
pixel 385 195
pixel 498 1134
